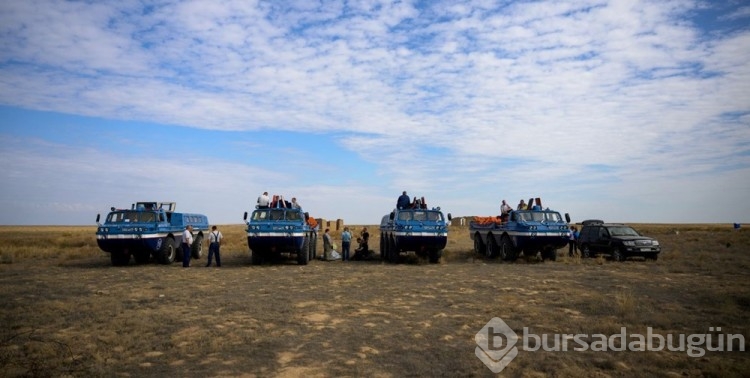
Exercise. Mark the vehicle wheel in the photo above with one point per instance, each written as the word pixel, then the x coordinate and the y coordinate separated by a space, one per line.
pixel 196 250
pixel 303 255
pixel 141 257
pixel 478 244
pixel 586 251
pixel 653 256
pixel 256 258
pixel 167 252
pixel 491 247
pixel 382 247
pixel 549 254
pixel 506 250
pixel 311 248
pixel 393 254
pixel 120 258
pixel 435 256
pixel 618 255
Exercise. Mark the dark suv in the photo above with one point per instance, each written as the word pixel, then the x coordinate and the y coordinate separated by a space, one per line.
pixel 617 240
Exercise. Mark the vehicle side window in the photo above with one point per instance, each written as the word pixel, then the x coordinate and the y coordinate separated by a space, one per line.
pixel 603 233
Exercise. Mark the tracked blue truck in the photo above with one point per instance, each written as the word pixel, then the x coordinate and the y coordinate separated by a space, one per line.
pixel 528 231
pixel 146 229
pixel 423 231
pixel 275 231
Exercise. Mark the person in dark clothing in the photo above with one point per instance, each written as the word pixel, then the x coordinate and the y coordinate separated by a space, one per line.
pixel 214 246
pixel 403 201
pixel 365 239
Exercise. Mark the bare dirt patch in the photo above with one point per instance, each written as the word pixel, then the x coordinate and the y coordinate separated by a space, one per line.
pixel 67 311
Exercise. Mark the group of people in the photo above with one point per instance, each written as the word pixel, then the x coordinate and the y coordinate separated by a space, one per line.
pixel 214 246
pixel 506 209
pixel 267 202
pixel 361 253
pixel 405 202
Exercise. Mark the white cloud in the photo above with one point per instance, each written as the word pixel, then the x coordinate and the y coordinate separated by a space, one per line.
pixel 522 95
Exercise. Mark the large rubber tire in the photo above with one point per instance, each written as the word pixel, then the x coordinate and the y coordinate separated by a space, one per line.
pixel 549 254
pixel 478 244
pixel 506 250
pixel 256 257
pixel 490 250
pixel 141 257
pixel 167 253
pixel 310 247
pixel 586 251
pixel 435 256
pixel 393 253
pixel 315 246
pixel 119 258
pixel 618 255
pixel 382 247
pixel 303 253
pixel 196 249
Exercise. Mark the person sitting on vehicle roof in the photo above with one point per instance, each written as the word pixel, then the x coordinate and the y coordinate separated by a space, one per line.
pixel 521 205
pixel 263 201
pixel 505 208
pixel 403 201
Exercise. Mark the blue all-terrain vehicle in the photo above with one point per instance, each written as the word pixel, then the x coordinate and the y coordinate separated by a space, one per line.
pixel 277 230
pixel 527 231
pixel 146 229
pixel 418 229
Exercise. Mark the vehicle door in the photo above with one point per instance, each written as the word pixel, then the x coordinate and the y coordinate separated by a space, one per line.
pixel 599 239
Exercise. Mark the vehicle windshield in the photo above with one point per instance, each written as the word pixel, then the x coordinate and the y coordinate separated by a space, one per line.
pixel 276 215
pixel 622 231
pixel 131 217
pixel 420 215
pixel 539 216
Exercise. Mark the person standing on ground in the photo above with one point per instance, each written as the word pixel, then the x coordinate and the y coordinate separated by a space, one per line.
pixel 346 242
pixel 214 246
pixel 187 241
pixel 572 248
pixel 365 240
pixel 327 245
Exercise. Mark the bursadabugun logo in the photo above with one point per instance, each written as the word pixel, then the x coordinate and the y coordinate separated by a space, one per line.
pixel 496 345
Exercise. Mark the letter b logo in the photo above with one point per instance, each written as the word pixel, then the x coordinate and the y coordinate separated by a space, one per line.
pixel 496 345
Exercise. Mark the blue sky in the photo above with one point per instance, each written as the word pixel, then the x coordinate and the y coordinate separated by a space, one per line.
pixel 628 111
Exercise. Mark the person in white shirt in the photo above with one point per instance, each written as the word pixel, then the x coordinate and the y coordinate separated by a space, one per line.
pixel 214 245
pixel 505 208
pixel 295 204
pixel 264 202
pixel 187 241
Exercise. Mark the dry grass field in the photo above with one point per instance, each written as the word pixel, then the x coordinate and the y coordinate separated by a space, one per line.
pixel 67 312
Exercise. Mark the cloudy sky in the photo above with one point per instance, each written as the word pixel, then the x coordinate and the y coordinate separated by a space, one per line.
pixel 622 110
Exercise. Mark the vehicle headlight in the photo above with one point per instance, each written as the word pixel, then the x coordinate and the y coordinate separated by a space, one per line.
pixel 654 242
pixel 629 243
